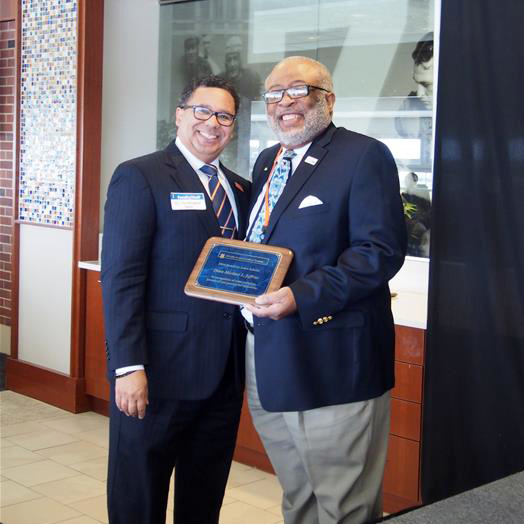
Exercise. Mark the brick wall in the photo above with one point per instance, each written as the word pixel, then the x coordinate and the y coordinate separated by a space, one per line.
pixel 7 142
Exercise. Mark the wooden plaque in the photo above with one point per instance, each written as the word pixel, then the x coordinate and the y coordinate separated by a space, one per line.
pixel 237 272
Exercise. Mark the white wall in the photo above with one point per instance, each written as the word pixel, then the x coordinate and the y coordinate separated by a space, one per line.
pixel 413 277
pixel 45 296
pixel 129 92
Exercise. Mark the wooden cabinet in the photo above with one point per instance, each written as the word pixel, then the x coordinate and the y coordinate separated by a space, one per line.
pixel 405 419
pixel 402 475
pixel 97 384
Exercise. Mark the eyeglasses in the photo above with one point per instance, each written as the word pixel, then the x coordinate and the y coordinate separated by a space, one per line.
pixel 204 113
pixel 272 97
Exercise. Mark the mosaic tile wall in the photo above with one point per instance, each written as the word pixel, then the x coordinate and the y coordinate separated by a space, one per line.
pixel 48 112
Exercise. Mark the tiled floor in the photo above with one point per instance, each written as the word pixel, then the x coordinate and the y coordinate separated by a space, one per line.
pixel 53 469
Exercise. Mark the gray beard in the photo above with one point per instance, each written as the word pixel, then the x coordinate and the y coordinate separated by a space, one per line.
pixel 315 121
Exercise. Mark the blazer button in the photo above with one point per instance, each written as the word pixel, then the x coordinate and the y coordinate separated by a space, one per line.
pixel 227 315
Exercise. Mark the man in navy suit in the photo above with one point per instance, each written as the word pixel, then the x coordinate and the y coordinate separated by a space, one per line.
pixel 319 367
pixel 175 362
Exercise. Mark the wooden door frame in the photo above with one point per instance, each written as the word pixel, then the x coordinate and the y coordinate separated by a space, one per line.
pixel 62 390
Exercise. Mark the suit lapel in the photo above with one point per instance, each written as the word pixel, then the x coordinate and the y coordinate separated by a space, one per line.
pixel 186 178
pixel 299 178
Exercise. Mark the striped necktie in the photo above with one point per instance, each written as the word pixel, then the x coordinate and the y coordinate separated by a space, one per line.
pixel 221 204
pixel 276 186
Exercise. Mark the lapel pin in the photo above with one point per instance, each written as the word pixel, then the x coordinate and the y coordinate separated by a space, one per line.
pixel 239 186
pixel 265 169
pixel 311 160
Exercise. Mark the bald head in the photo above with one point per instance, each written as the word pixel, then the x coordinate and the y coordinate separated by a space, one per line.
pixel 305 66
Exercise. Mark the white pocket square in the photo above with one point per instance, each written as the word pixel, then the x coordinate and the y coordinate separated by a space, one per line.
pixel 310 200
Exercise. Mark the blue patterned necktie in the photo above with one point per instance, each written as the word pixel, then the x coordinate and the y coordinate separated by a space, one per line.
pixel 276 186
pixel 221 204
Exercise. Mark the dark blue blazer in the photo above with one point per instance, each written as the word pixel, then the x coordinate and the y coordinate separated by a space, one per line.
pixel 148 253
pixel 345 252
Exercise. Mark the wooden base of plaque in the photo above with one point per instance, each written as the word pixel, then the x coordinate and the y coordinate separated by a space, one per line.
pixel 236 272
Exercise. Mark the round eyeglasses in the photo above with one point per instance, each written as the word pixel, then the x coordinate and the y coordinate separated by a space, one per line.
pixel 204 113
pixel 272 97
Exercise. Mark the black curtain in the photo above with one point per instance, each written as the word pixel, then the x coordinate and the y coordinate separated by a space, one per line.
pixel 473 429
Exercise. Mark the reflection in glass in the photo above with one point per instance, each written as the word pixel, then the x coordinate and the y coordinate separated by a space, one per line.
pixel 380 54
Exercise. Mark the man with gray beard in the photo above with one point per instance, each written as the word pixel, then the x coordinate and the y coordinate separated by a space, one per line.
pixel 320 349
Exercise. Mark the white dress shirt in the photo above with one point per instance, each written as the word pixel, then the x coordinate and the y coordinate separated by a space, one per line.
pixel 295 161
pixel 196 164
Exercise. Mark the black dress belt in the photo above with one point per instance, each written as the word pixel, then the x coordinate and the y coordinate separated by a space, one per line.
pixel 249 327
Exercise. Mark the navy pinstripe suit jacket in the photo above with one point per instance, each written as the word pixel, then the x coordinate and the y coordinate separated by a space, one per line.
pixel 148 253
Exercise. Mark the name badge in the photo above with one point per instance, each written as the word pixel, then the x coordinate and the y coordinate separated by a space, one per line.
pixel 183 201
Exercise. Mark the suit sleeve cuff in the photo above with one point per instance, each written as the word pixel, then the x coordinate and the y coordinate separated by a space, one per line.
pixel 127 369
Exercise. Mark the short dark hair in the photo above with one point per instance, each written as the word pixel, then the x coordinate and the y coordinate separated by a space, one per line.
pixel 209 81
pixel 424 50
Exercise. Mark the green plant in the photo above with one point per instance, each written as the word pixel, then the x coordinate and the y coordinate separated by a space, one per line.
pixel 409 209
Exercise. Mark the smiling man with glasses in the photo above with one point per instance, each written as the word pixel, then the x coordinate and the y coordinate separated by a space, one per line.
pixel 176 363
pixel 272 97
pixel 319 353
pixel 204 113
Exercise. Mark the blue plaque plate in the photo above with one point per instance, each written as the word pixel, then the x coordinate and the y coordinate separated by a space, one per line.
pixel 237 272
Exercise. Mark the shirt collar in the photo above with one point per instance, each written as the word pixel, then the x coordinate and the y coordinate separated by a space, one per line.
pixel 194 162
pixel 300 152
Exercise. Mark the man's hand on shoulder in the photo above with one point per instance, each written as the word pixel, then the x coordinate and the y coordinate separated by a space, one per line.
pixel 276 305
pixel 131 394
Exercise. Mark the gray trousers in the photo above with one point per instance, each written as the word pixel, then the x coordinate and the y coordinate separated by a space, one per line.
pixel 330 460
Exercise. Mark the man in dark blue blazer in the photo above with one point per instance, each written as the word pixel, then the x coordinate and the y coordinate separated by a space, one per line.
pixel 175 362
pixel 320 365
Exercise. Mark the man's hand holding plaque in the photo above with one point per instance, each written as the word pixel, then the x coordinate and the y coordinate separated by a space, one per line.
pixel 276 305
pixel 237 272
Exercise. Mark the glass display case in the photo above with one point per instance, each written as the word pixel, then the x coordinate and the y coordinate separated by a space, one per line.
pixel 380 54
